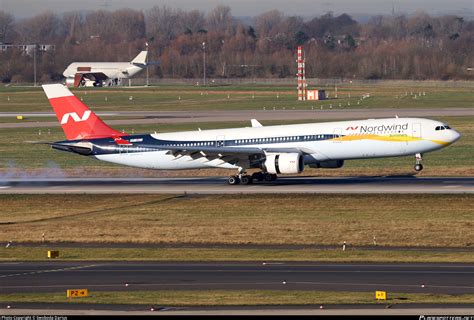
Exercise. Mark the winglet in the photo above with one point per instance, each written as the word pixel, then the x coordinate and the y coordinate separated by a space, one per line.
pixel 255 123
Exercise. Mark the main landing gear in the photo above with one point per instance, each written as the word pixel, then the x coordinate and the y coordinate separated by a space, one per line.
pixel 242 178
pixel 418 165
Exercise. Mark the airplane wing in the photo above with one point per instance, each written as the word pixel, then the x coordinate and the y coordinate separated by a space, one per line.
pixel 225 153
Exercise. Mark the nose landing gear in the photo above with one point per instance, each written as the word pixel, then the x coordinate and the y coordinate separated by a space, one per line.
pixel 418 165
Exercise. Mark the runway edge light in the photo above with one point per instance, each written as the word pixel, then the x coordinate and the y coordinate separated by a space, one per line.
pixel 381 295
pixel 76 293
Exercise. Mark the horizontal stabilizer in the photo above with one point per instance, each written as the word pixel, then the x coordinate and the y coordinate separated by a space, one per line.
pixel 83 148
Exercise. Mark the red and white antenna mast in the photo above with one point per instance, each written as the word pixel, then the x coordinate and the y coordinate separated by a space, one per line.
pixel 301 75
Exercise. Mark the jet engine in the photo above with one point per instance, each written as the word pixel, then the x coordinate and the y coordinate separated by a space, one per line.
pixel 70 82
pixel 284 163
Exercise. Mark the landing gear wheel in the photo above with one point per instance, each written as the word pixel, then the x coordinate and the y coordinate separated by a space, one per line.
pixel 233 180
pixel 259 176
pixel 418 166
pixel 268 177
pixel 245 180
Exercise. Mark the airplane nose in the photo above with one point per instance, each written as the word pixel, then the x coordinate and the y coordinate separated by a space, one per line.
pixel 455 136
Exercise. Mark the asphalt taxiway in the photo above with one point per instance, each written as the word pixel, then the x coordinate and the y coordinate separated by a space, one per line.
pixel 22 277
pixel 151 117
pixel 461 310
pixel 218 185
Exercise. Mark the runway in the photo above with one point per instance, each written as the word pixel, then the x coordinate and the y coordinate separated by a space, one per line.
pixel 37 277
pixel 218 185
pixel 151 117
pixel 65 309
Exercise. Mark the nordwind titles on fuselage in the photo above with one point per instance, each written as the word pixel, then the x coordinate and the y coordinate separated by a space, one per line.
pixel 384 128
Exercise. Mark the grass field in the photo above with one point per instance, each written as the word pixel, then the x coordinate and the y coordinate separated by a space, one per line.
pixel 351 255
pixel 395 220
pixel 240 97
pixel 19 159
pixel 236 298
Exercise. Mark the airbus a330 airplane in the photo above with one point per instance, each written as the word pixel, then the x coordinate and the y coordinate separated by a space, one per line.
pixel 94 74
pixel 284 149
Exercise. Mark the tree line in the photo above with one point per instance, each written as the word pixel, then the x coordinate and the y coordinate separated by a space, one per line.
pixel 417 46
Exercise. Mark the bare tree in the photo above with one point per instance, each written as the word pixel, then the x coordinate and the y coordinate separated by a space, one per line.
pixel 220 19
pixel 6 23
pixel 191 22
pixel 394 47
pixel 45 27
pixel 268 22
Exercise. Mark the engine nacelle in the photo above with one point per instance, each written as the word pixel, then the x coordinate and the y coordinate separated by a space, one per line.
pixel 284 163
pixel 70 82
pixel 330 164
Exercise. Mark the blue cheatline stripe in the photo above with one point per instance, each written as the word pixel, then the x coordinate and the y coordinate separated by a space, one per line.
pixel 108 145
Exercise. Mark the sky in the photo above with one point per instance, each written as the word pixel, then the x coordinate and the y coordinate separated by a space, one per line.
pixel 250 8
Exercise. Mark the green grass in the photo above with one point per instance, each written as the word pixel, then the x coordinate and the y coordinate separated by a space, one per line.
pixel 18 158
pixel 440 220
pixel 213 254
pixel 239 97
pixel 236 298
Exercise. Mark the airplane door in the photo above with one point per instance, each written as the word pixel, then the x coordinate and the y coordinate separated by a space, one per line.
pixel 337 135
pixel 416 130
pixel 220 141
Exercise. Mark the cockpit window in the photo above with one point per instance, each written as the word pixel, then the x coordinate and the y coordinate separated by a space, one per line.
pixel 442 128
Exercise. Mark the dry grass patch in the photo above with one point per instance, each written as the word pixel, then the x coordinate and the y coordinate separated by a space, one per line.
pixel 395 220
pixel 29 209
pixel 236 298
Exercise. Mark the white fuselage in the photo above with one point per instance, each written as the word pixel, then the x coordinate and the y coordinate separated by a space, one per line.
pixel 113 70
pixel 359 139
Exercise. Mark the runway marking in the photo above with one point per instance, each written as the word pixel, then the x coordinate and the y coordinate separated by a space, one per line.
pixel 47 271
pixel 212 185
pixel 269 271
pixel 380 284
pixel 278 283
pixel 143 284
